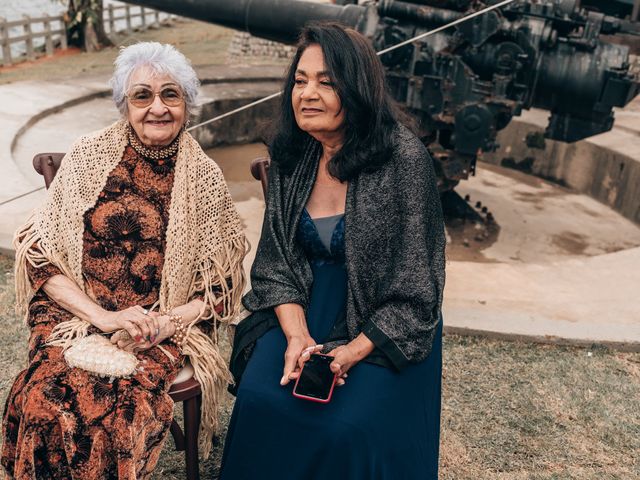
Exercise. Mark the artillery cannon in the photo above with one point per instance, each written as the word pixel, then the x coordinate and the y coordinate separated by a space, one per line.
pixel 466 83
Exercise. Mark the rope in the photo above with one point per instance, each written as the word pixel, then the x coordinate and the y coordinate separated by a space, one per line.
pixel 237 110
pixel 22 195
pixel 444 27
pixel 277 94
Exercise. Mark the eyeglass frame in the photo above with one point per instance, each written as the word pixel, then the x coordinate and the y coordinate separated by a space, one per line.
pixel 156 94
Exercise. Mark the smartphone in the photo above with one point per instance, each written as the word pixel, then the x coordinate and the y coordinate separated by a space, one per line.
pixel 316 380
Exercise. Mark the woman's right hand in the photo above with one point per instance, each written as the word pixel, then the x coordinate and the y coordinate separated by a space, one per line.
pixel 138 324
pixel 296 347
pixel 294 326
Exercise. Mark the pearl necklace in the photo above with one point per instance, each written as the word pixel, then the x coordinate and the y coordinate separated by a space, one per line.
pixel 153 153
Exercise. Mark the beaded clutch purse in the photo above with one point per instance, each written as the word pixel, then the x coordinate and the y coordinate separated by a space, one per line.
pixel 96 354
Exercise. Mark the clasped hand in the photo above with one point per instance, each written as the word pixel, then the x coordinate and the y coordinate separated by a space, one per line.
pixel 136 328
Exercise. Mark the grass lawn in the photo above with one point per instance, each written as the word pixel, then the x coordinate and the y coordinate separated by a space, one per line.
pixel 509 410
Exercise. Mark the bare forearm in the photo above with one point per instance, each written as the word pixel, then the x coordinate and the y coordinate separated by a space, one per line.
pixel 189 311
pixel 68 295
pixel 361 346
pixel 292 320
pixel 138 323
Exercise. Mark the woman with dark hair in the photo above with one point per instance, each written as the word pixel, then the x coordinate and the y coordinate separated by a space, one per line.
pixel 350 263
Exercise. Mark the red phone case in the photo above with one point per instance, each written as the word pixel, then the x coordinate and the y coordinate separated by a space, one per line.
pixel 314 399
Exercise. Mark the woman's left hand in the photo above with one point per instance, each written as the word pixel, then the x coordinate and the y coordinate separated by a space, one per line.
pixel 346 356
pixel 166 329
pixel 343 359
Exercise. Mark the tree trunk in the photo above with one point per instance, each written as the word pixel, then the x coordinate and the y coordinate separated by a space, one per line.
pixel 86 26
pixel 94 30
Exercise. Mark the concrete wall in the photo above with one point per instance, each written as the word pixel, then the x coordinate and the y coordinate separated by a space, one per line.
pixel 602 167
pixel 247 126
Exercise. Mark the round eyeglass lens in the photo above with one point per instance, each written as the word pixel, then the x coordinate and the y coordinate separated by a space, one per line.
pixel 143 97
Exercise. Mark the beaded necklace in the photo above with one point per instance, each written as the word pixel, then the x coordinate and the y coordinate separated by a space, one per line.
pixel 152 153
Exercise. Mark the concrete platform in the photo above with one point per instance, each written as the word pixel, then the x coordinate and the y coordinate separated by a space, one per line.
pixel 564 269
pixel 551 275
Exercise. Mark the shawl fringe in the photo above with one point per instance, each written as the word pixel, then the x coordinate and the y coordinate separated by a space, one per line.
pixel 210 367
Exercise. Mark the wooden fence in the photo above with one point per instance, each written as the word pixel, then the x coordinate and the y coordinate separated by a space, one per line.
pixel 52 29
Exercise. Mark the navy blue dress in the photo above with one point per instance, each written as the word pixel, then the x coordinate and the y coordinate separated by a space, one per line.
pixel 381 425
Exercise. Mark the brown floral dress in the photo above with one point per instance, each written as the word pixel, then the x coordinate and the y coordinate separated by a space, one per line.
pixel 63 423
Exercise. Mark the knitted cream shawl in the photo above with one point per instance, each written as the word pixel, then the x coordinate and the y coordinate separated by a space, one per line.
pixel 205 246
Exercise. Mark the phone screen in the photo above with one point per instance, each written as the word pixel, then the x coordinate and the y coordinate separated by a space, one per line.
pixel 316 378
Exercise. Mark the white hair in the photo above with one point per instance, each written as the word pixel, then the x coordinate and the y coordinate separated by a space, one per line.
pixel 160 59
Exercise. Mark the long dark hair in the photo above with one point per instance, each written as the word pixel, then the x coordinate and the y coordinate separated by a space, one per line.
pixel 359 82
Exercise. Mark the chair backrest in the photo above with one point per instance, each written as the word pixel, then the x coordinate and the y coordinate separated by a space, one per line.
pixel 260 170
pixel 47 165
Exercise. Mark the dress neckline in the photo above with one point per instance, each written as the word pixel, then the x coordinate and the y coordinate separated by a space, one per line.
pixel 322 218
pixel 334 245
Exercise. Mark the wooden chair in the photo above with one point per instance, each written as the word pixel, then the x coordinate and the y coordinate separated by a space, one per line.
pixel 185 388
pixel 260 171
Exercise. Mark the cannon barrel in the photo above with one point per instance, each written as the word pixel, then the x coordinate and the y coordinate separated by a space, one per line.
pixel 422 14
pixel 265 19
pixel 459 5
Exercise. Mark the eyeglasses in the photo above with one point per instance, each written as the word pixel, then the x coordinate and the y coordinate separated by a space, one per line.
pixel 143 97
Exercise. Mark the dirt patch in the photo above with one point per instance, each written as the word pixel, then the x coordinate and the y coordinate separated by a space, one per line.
pixel 529 180
pixel 588 211
pixel 487 183
pixel 469 239
pixel 571 242
pixel 57 54
pixel 537 198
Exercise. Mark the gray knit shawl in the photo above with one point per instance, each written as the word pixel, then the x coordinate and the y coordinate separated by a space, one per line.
pixel 394 248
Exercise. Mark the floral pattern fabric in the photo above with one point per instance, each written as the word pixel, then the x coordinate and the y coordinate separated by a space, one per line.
pixel 62 423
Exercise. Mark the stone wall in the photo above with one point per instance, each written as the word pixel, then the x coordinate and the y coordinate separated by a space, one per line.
pixel 245 48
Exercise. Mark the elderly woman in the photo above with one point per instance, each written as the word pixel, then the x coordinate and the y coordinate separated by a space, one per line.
pixel 350 262
pixel 138 236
